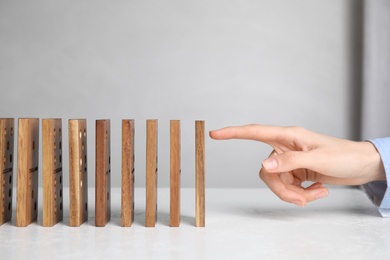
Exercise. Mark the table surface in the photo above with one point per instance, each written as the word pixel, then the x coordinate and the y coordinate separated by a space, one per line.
pixel 240 223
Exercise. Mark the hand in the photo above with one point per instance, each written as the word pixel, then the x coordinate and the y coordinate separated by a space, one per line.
pixel 300 155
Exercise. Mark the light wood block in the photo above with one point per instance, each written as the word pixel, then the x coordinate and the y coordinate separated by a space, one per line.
pixel 6 168
pixel 78 172
pixel 52 171
pixel 127 198
pixel 175 173
pixel 199 174
pixel 27 183
pixel 151 173
pixel 103 173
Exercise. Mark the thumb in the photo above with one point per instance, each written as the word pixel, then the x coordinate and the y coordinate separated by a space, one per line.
pixel 287 161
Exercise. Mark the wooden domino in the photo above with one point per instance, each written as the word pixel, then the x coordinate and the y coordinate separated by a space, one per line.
pixel 6 168
pixel 27 172
pixel 174 173
pixel 127 198
pixel 151 173
pixel 27 183
pixel 78 172
pixel 199 174
pixel 52 171
pixel 103 173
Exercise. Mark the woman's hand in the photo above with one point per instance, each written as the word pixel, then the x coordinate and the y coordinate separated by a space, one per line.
pixel 300 155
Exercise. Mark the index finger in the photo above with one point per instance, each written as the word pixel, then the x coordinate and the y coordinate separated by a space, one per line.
pixel 262 133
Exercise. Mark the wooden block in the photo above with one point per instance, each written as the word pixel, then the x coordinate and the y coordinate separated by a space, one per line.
pixel 127 173
pixel 175 173
pixel 78 172
pixel 199 174
pixel 103 173
pixel 151 173
pixel 6 168
pixel 52 171
pixel 28 159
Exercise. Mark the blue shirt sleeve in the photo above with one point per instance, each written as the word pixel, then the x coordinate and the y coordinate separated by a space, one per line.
pixel 378 191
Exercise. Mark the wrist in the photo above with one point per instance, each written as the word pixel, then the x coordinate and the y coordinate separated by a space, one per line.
pixel 375 168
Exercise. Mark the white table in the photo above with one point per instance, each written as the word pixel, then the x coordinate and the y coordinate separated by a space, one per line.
pixel 240 224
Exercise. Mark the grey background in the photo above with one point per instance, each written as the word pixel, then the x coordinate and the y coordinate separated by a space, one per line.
pixel 376 76
pixel 227 62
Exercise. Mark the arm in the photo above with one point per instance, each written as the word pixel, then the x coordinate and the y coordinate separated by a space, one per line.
pixel 300 155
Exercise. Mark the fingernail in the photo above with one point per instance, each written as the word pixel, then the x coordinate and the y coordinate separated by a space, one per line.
pixel 270 164
pixel 322 194
pixel 298 203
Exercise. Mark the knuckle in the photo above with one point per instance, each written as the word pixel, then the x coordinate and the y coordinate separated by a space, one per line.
pixel 290 157
pixel 251 127
pixel 296 130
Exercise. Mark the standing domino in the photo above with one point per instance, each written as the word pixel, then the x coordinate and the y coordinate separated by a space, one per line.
pixel 199 174
pixel 52 171
pixel 174 173
pixel 78 172
pixel 151 173
pixel 127 198
pixel 6 168
pixel 27 183
pixel 103 173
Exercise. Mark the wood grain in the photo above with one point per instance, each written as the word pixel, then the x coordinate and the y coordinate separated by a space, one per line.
pixel 127 198
pixel 52 171
pixel 6 168
pixel 103 173
pixel 175 173
pixel 199 174
pixel 28 159
pixel 78 172
pixel 151 173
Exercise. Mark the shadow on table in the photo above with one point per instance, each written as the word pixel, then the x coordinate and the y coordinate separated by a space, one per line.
pixel 162 218
pixel 289 214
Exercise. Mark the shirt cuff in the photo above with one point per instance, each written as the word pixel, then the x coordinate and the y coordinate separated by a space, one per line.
pixel 378 191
